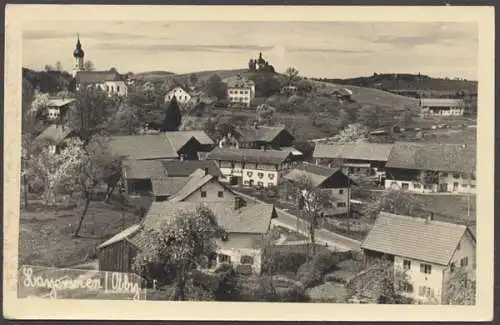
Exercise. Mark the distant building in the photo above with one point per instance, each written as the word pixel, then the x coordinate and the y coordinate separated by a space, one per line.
pixel 186 96
pixel 54 136
pixel 240 91
pixel 442 107
pixel 57 109
pixel 258 136
pixel 449 167
pixel 289 90
pixel 428 251
pixel 251 167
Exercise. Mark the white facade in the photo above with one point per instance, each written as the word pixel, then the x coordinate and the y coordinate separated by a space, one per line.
pixel 182 96
pixel 241 249
pixel 118 87
pixel 340 198
pixel 241 95
pixel 53 113
pixel 451 111
pixel 428 279
pixel 251 174
pixel 448 182
pixel 78 65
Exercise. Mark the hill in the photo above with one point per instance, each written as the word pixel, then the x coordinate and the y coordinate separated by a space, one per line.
pixel 47 81
pixel 411 84
pixel 153 75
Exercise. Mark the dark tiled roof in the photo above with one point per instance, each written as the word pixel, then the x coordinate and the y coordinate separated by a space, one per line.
pixel 150 146
pixel 354 151
pixel 54 134
pixel 261 133
pixel 252 218
pixel 433 156
pixel 92 77
pixel 143 169
pixel 273 157
pixel 187 167
pixel 416 238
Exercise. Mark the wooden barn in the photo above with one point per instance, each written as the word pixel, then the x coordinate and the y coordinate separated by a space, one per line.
pixel 117 253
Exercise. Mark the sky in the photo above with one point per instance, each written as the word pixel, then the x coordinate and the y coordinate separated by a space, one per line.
pixel 316 49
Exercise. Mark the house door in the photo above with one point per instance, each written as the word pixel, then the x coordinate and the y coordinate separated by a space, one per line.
pixel 455 187
pixel 443 187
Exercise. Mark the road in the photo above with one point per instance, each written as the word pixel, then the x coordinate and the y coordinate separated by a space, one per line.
pixel 332 240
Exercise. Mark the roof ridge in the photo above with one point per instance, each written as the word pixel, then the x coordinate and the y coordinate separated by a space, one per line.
pixel 423 220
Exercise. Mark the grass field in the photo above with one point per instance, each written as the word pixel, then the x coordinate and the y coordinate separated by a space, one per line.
pixel 46 236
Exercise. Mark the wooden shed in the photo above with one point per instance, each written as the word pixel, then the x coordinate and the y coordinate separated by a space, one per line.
pixel 117 254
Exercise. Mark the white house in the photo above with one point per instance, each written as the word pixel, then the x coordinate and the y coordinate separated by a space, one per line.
pixel 109 81
pixel 251 167
pixel 442 107
pixel 428 251
pixel 58 107
pixel 240 90
pixel 183 96
pixel 245 224
pixel 449 167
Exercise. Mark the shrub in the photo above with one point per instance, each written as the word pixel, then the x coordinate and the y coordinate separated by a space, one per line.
pixel 282 261
pixel 294 294
pixel 312 272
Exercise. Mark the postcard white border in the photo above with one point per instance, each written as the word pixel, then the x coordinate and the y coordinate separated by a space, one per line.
pixel 155 310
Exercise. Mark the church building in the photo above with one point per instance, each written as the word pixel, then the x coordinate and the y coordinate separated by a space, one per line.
pixel 109 81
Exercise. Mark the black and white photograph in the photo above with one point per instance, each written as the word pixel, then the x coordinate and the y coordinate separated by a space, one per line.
pixel 326 160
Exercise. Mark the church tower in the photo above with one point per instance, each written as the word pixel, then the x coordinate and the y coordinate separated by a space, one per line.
pixel 78 54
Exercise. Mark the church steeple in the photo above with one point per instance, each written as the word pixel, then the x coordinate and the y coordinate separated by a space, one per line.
pixel 78 54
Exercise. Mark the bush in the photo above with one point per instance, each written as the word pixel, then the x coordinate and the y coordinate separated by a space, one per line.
pixel 282 261
pixel 294 294
pixel 312 272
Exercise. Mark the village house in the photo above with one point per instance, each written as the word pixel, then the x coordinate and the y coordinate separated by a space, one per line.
pixel 432 167
pixel 54 137
pixel 428 251
pixel 245 224
pixel 108 81
pixel 270 137
pixel 359 159
pixel 332 182
pixel 442 107
pixel 161 179
pixel 251 167
pixel 187 96
pixel 57 109
pixel 240 90
pixel 289 90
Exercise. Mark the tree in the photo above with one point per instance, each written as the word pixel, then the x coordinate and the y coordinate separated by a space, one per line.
pixel 173 117
pixel 264 113
pixel 292 75
pixel 405 118
pixel 59 66
pixel 351 134
pixel 266 84
pixel 88 66
pixel 216 87
pixel 113 69
pixel 393 201
pixel 127 120
pixel 429 177
pixel 460 288
pixel 180 245
pixel 48 68
pixel 193 79
pixel 382 282
pixel 370 116
pixel 190 123
pixel 39 105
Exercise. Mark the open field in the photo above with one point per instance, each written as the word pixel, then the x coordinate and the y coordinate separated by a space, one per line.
pixel 46 236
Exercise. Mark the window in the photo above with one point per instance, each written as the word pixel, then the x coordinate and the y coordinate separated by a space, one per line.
pixel 245 259
pixel 224 258
pixel 464 185
pixel 270 184
pixel 425 268
pixel 452 267
pixel 444 174
pixel 464 262
pixel 249 174
pixel 220 194
pixel 416 185
pixel 406 265
pixel 107 88
pixel 203 193
pixel 341 205
pixel 232 166
pixel 341 191
pixel 270 175
pixel 473 177
pixel 261 175
pixel 405 186
pixel 472 186
pixel 424 291
pixel 456 175
pixel 117 89
pixel 260 183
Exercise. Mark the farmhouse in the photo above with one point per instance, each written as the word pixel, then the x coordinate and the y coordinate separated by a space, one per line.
pixel 432 167
pixel 360 159
pixel 185 96
pixel 428 251
pixel 270 137
pixel 54 136
pixel 251 167
pixel 57 109
pixel 161 179
pixel 442 107
pixel 240 90
pixel 332 182
pixel 245 223
pixel 110 82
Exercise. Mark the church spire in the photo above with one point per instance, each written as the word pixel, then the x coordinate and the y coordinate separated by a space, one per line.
pixel 78 53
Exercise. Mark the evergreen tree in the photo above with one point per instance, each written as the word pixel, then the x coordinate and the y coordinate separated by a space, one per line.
pixel 173 117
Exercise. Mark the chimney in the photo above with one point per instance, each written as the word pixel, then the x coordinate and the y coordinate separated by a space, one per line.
pixel 430 217
pixel 237 202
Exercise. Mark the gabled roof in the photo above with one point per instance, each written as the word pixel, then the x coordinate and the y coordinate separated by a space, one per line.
pixel 121 236
pixel 354 151
pixel 168 186
pixel 416 238
pixel 197 179
pixel 252 218
pixel 261 133
pixel 315 173
pixel 433 156
pixel 143 169
pixel 180 138
pixel 54 134
pixel 441 102
pixel 60 102
pixel 259 156
pixel 138 147
pixel 178 168
pixel 92 77
pixel 178 141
